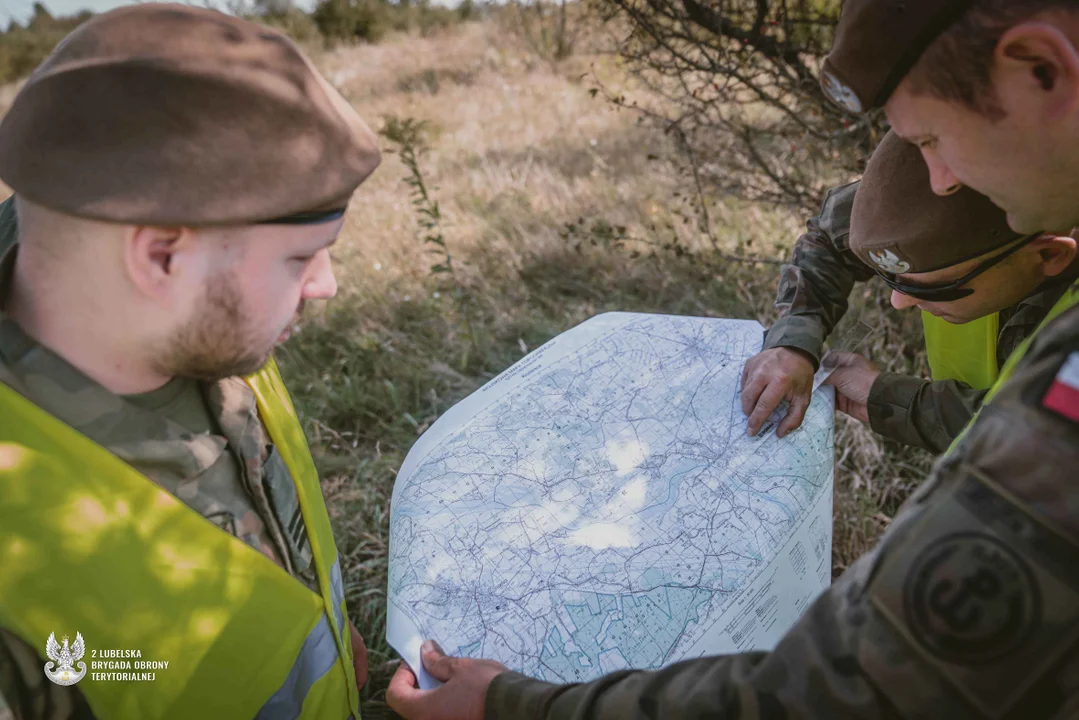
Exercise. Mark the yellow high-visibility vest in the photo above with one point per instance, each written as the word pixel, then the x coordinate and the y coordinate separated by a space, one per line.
pixel 89 545
pixel 1067 301
pixel 967 352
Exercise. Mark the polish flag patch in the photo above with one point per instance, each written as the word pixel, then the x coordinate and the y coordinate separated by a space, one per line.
pixel 1063 395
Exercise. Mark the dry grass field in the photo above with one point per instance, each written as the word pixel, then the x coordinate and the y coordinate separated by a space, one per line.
pixel 551 204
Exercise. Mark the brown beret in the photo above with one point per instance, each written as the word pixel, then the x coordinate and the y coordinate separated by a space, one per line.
pixel 170 114
pixel 898 224
pixel 877 42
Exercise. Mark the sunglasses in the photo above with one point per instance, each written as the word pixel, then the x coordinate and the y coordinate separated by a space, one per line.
pixel 953 290
pixel 307 218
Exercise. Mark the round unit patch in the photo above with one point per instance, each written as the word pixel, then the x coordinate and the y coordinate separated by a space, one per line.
pixel 970 599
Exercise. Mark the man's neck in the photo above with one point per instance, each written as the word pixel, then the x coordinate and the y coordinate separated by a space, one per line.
pixel 1070 275
pixel 75 331
pixel 1072 272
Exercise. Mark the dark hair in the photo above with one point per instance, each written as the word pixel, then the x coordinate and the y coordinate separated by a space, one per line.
pixel 957 65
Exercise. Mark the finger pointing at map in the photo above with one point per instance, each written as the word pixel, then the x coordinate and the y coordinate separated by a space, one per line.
pixel 774 375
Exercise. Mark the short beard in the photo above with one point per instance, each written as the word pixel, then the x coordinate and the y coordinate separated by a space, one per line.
pixel 217 342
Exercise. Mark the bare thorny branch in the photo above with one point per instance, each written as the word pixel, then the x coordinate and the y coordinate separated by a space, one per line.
pixel 736 81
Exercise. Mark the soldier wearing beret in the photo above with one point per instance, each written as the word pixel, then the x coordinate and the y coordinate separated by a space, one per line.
pixel 969 605
pixel 180 176
pixel 999 286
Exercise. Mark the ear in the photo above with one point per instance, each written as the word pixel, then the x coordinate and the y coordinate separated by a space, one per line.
pixel 1036 66
pixel 1056 252
pixel 150 258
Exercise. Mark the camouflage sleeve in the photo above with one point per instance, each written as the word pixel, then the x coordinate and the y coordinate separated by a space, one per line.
pixel 813 288
pixel 26 693
pixel 922 413
pixel 8 226
pixel 968 608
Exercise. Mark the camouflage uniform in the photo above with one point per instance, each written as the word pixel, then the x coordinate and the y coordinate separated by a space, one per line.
pixel 967 608
pixel 232 476
pixel 812 297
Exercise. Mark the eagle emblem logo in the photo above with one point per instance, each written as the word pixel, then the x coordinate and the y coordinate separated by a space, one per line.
pixel 64 658
pixel 889 261
pixel 839 92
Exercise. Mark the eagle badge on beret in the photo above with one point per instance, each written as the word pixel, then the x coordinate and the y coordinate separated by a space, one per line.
pixel 839 92
pixel 888 261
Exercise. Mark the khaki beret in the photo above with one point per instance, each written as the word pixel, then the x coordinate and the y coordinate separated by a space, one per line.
pixel 877 42
pixel 899 225
pixel 169 114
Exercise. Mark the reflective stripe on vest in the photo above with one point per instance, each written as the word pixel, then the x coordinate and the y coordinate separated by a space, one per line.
pixel 967 352
pixel 316 658
pixel 279 416
pixel 1067 301
pixel 90 545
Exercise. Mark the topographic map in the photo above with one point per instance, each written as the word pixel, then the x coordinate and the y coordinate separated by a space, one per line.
pixel 599 506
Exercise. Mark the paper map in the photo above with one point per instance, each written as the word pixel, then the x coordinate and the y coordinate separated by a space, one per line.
pixel 599 506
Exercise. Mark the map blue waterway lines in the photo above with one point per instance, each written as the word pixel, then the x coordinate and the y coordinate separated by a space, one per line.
pixel 604 513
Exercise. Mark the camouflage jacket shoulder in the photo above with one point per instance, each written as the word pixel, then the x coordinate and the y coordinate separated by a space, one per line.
pixel 835 213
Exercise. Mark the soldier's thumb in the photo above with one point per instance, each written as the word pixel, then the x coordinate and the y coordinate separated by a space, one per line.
pixel 839 379
pixel 436 662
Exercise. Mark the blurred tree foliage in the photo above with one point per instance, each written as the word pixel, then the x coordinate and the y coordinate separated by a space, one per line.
pixel 550 28
pixel 22 48
pixel 293 22
pixel 352 19
pixel 736 82
pixel 370 20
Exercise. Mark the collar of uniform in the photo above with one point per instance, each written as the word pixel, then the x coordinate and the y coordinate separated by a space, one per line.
pixel 150 442
pixel 1033 308
pixel 233 405
pixel 1020 320
pixel 7 272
